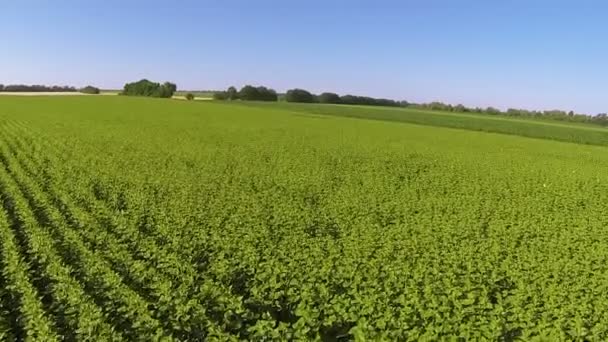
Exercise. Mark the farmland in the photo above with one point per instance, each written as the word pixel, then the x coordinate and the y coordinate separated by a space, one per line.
pixel 148 219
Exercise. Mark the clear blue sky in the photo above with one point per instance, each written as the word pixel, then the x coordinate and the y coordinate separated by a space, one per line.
pixel 530 54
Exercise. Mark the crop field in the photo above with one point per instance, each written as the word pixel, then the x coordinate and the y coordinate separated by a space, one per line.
pixel 147 219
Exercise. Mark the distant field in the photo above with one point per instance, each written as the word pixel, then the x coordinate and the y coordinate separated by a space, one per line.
pixel 532 128
pixel 146 219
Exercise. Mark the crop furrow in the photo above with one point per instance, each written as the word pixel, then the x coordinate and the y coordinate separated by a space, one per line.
pixel 105 286
pixel 25 140
pixel 177 301
pixel 77 315
pixel 28 318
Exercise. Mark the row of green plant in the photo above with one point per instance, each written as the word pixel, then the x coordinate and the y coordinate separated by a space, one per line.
pixel 255 222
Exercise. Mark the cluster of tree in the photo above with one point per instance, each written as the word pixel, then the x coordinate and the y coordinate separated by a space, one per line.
pixel 304 96
pixel 35 88
pixel 148 88
pixel 600 119
pixel 247 93
pixel 90 90
pixel 299 95
pixel 189 96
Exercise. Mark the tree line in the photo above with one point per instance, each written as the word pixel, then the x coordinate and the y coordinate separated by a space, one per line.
pixel 261 93
pixel 22 88
pixel 36 88
pixel 247 93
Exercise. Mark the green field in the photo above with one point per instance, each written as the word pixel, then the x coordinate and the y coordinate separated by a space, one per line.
pixel 142 219
pixel 534 128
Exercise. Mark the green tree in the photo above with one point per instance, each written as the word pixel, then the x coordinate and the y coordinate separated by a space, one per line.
pixel 232 93
pixel 90 90
pixel 251 93
pixel 299 95
pixel 220 95
pixel 329 98
pixel 145 87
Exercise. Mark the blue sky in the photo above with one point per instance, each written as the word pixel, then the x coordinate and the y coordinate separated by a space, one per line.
pixel 527 54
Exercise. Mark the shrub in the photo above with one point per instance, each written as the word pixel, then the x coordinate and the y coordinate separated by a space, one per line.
pixel 89 90
pixel 189 96
pixel 299 95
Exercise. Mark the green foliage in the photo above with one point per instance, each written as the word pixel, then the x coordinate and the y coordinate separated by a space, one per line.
pixel 329 98
pixel 232 94
pixel 368 101
pixel 90 90
pixel 261 93
pixel 36 88
pixel 220 95
pixel 258 221
pixel 189 96
pixel 299 95
pixel 148 88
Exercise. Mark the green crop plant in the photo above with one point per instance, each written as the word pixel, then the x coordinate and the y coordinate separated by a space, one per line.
pixel 127 218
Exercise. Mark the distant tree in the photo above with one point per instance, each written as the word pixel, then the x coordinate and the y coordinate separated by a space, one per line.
pixel 369 101
pixel 600 119
pixel 171 87
pixel 329 98
pixel 189 96
pixel 492 110
pixel 37 88
pixel 435 105
pixel 251 93
pixel 232 93
pixel 299 95
pixel 248 93
pixel 384 102
pixel 513 112
pixel 90 90
pixel 266 94
pixel 145 87
pixel 1 87
pixel 220 95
